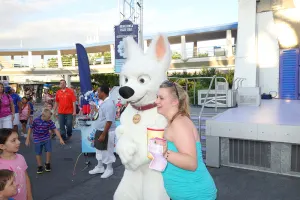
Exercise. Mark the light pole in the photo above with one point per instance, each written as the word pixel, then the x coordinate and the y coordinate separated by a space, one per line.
pixel 141 39
pixel 132 10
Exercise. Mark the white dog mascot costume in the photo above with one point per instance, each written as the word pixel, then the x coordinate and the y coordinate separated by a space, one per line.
pixel 140 78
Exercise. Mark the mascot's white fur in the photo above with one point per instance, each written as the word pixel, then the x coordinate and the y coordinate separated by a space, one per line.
pixel 140 78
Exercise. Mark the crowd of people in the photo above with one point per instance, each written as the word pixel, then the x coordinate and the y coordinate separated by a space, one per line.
pixel 61 108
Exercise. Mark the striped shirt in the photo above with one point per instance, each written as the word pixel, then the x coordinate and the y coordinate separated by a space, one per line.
pixel 41 129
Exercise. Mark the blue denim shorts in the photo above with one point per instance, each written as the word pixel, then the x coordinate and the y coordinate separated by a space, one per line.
pixel 46 145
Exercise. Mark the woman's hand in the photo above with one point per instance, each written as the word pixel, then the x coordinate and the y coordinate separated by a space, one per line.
pixel 164 144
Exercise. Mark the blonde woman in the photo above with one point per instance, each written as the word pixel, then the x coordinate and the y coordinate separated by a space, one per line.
pixel 185 176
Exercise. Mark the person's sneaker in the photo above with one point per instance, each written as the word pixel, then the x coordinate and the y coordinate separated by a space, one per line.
pixel 97 170
pixel 107 173
pixel 40 170
pixel 47 167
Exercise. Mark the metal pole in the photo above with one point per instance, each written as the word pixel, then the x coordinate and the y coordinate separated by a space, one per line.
pixel 141 39
pixel 194 91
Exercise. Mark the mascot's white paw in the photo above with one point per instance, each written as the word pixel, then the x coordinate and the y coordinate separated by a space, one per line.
pixel 126 149
pixel 119 131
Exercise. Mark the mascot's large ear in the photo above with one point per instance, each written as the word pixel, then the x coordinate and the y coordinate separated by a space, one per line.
pixel 159 49
pixel 131 48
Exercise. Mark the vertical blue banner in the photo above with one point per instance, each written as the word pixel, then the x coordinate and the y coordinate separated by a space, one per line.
pixel 126 28
pixel 84 69
pixel 84 72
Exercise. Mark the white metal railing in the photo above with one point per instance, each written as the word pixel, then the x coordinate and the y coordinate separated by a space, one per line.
pixel 202 52
pixel 238 82
pixel 194 52
pixel 214 79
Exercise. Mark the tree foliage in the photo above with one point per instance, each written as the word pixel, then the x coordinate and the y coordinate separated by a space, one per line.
pixel 110 79
pixel 176 55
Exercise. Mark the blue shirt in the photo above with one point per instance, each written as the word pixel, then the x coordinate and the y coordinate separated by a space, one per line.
pixel 10 199
pixel 16 98
pixel 31 107
pixel 41 129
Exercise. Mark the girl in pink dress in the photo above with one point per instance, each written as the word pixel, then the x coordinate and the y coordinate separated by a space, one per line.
pixel 24 115
pixel 10 159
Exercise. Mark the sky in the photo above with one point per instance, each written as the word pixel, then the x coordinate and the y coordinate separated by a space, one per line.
pixel 58 23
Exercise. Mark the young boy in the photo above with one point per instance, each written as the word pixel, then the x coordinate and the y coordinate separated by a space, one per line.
pixel 8 187
pixel 41 137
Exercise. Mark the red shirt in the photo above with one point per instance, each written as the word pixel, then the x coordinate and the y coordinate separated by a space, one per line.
pixel 65 99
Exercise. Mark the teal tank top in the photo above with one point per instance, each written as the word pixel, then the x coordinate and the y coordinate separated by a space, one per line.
pixel 182 184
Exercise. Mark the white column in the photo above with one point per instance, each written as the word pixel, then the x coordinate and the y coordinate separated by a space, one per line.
pixel 68 80
pixel 30 64
pixel 42 60
pixel 246 52
pixel 12 61
pixel 229 43
pixel 59 61
pixel 112 53
pixel 145 45
pixel 195 49
pixel 73 62
pixel 102 61
pixel 183 48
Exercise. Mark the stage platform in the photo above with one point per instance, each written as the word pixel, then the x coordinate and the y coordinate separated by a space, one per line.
pixel 279 112
pixel 261 138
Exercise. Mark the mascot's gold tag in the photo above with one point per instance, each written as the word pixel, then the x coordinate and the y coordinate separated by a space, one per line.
pixel 136 118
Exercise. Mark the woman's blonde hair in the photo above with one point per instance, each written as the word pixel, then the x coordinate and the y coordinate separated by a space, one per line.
pixel 178 93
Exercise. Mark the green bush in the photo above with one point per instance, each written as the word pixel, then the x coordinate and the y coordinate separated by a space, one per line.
pixel 202 55
pixel 110 79
pixel 176 55
pixel 188 84
pixel 201 84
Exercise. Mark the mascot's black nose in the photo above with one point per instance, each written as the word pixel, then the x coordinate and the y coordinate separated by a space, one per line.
pixel 126 92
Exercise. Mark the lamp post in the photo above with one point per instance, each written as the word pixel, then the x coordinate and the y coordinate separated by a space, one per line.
pixel 132 10
pixel 141 40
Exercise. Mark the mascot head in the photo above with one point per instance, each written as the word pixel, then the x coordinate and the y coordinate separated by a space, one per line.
pixel 142 73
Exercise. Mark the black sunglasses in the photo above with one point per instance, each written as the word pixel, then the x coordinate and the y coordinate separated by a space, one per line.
pixel 171 84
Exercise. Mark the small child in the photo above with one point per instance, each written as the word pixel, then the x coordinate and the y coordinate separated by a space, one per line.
pixel 24 115
pixel 41 137
pixel 8 187
pixel 10 159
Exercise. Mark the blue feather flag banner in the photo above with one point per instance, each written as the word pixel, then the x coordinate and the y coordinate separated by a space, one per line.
pixel 84 76
pixel 84 69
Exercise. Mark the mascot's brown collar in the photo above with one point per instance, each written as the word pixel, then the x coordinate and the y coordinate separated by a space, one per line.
pixel 145 107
